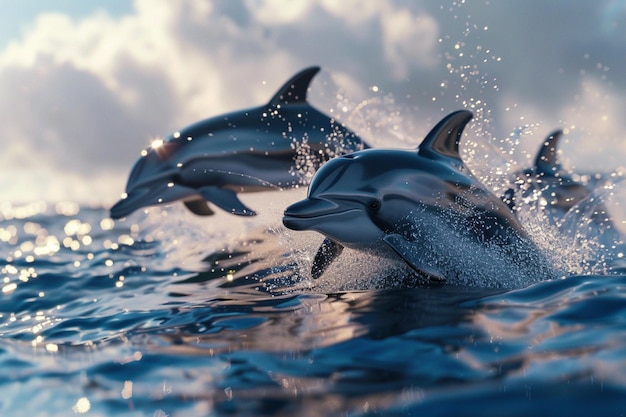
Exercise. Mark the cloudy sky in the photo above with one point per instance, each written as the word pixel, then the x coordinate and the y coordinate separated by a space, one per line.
pixel 84 87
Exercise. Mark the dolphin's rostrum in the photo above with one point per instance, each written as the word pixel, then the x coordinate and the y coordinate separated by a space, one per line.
pixel 411 203
pixel 244 151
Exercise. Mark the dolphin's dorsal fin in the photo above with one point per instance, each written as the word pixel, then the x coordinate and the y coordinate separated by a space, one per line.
pixel 294 90
pixel 443 139
pixel 547 160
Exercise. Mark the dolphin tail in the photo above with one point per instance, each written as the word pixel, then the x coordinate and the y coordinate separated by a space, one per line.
pixel 199 207
pixel 329 251
pixel 295 89
pixel 402 247
pixel 443 139
pixel 225 199
pixel 547 161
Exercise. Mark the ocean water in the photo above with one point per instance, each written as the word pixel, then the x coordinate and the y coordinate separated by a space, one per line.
pixel 168 314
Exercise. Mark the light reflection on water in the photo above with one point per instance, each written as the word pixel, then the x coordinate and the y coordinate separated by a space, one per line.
pixel 139 320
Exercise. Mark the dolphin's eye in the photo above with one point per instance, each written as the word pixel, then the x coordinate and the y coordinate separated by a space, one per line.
pixel 373 205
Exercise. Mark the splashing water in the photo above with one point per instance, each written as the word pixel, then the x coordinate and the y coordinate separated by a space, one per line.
pixel 568 248
pixel 166 313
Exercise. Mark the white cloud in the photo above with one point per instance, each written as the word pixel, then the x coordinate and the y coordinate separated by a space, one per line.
pixel 355 11
pixel 279 12
pixel 92 92
pixel 596 118
pixel 409 41
pixel 592 121
pixel 81 97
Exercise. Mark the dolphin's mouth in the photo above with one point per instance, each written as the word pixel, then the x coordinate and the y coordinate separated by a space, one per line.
pixel 304 214
pixel 133 200
pixel 149 195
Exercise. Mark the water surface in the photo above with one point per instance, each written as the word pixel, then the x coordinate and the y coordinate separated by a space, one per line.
pixel 157 316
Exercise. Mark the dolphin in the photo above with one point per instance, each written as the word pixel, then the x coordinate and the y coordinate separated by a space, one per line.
pixel 547 181
pixel 249 150
pixel 423 205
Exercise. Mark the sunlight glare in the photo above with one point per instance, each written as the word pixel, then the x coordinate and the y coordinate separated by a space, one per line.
pixel 82 405
pixel 156 143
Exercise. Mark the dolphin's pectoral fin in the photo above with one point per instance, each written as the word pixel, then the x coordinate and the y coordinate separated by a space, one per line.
pixel 199 207
pixel 225 199
pixel 329 251
pixel 404 249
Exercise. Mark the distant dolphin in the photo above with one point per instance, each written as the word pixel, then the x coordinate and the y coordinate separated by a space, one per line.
pixel 424 204
pixel 547 181
pixel 248 150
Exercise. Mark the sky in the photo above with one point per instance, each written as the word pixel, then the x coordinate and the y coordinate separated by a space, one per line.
pixel 85 87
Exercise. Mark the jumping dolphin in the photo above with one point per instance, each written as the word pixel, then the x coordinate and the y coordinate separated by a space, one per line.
pixel 410 203
pixel 244 151
pixel 548 181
